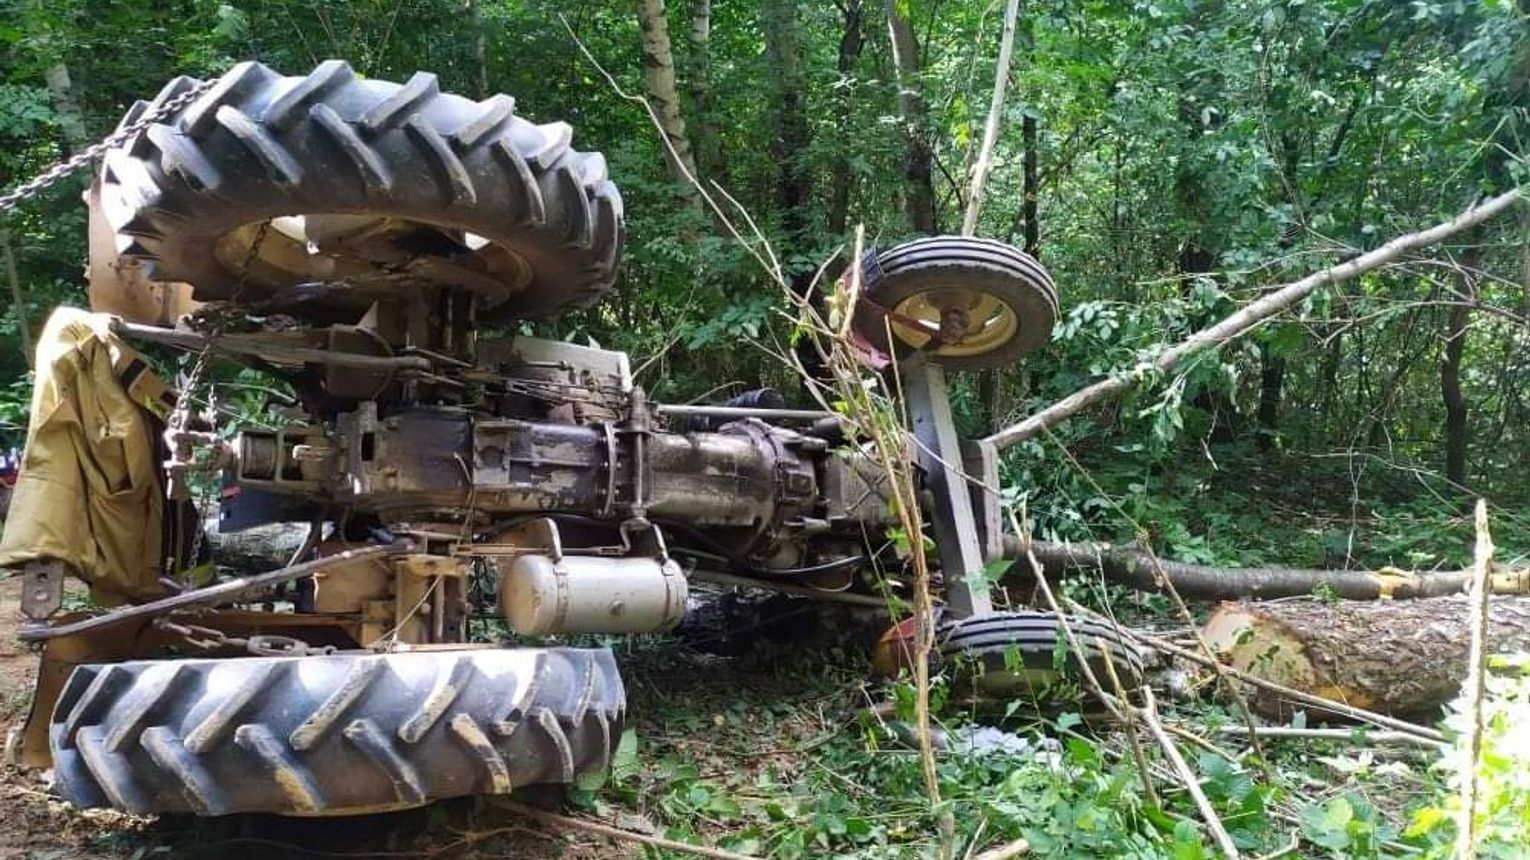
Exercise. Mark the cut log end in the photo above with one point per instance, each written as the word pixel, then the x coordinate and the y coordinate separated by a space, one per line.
pixel 1405 658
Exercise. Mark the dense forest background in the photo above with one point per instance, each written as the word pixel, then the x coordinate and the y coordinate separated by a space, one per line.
pixel 1167 159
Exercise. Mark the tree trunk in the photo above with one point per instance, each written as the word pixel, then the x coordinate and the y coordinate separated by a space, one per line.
pixel 18 295
pixel 659 80
pixel 1272 373
pixel 1260 309
pixel 988 397
pixel 1450 367
pixel 71 120
pixel 984 164
pixel 1032 186
pixel 852 39
pixel 788 120
pixel 1400 658
pixel 480 48
pixel 706 144
pixel 1137 569
pixel 919 191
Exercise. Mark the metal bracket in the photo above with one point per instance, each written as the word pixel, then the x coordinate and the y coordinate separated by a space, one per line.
pixel 940 454
pixel 42 589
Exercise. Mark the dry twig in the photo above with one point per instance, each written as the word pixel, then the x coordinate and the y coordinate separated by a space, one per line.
pixel 1476 666
pixel 1005 852
pixel 1369 738
pixel 617 832
pixel 1149 716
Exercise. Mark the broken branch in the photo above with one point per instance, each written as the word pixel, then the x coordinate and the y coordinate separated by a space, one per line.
pixel 984 163
pixel 1250 316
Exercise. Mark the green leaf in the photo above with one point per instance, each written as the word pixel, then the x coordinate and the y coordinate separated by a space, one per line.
pixel 624 760
pixel 1328 825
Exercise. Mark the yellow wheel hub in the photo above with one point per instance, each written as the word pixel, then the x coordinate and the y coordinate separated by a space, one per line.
pixel 959 321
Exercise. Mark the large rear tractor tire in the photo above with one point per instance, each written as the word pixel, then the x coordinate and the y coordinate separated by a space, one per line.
pixel 384 187
pixel 332 735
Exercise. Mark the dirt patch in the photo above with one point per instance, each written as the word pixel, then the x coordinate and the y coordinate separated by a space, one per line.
pixel 18 665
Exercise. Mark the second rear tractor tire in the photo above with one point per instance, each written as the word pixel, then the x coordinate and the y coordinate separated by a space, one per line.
pixel 258 145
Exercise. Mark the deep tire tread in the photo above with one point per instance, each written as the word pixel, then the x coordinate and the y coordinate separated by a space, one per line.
pixel 332 734
pixel 259 145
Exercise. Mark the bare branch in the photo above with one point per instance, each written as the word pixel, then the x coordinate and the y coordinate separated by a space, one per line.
pixel 1251 316
pixel 984 164
pixel 1476 666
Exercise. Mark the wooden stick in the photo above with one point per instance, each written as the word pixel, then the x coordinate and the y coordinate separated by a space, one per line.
pixel 984 163
pixel 1148 713
pixel 1004 852
pixel 617 832
pixel 1476 665
pixel 1249 316
pixel 1386 736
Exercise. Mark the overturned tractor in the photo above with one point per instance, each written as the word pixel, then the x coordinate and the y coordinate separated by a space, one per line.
pixel 374 245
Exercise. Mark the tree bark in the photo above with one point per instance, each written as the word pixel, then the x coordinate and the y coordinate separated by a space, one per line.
pixel 919 191
pixel 1139 570
pixel 1450 367
pixel 851 41
pixel 1400 658
pixel 706 145
pixel 788 119
pixel 659 81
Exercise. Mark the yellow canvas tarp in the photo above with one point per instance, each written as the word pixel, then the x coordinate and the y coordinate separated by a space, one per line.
pixel 89 491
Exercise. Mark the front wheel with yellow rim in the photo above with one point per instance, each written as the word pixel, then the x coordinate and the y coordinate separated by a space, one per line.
pixel 966 303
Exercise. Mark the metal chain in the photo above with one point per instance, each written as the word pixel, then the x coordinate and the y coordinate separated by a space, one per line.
pixel 261 645
pixel 15 197
pixel 176 439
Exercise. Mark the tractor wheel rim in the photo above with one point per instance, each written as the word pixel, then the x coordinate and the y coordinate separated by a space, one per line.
pixel 292 252
pixel 916 321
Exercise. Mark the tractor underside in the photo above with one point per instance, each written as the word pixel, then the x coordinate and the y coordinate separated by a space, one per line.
pixel 378 247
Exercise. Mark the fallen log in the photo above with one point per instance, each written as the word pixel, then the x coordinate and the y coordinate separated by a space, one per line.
pixel 1135 568
pixel 1406 658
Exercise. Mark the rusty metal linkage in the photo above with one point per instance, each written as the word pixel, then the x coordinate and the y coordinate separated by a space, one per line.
pixel 222 592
